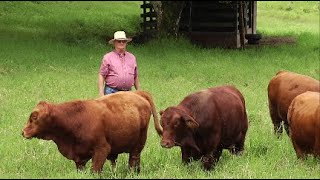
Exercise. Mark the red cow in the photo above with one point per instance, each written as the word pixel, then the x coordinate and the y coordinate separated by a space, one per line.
pixel 206 122
pixel 281 90
pixel 304 124
pixel 99 129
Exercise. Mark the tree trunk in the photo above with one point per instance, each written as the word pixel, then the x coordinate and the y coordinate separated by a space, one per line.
pixel 168 16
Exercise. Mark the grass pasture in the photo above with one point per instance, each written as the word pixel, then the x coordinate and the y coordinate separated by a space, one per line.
pixel 52 51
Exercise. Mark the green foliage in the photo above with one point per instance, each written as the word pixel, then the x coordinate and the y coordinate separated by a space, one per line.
pixel 37 64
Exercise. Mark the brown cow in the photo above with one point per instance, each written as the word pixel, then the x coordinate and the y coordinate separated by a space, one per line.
pixel 99 129
pixel 206 122
pixel 304 124
pixel 281 90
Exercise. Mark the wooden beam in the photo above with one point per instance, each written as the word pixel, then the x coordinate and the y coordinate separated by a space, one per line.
pixel 241 24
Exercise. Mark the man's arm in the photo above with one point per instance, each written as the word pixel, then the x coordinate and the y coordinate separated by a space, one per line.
pixel 101 85
pixel 137 83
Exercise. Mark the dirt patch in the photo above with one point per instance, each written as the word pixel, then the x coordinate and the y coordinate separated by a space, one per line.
pixel 274 41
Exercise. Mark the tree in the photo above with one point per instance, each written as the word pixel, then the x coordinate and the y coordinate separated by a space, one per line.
pixel 168 16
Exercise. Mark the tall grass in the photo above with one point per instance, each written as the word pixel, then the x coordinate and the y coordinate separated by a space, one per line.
pixel 47 55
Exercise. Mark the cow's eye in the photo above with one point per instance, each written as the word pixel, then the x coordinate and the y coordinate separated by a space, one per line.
pixel 161 123
pixel 176 124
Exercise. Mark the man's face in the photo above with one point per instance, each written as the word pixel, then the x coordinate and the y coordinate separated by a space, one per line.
pixel 120 44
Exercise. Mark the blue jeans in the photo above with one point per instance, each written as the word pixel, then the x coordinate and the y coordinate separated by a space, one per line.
pixel 109 90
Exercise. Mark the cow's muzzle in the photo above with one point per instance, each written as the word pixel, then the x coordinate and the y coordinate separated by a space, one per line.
pixel 167 144
pixel 25 136
pixel 22 133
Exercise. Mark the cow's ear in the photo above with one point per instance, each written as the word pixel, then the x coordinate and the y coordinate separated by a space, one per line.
pixel 190 122
pixel 42 103
pixel 161 112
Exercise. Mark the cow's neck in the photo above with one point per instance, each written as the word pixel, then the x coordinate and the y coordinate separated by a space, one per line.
pixel 63 129
pixel 189 141
pixel 66 144
pixel 65 140
pixel 188 134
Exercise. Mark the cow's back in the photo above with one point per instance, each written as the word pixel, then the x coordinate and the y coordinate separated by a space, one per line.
pixel 287 85
pixel 127 115
pixel 304 121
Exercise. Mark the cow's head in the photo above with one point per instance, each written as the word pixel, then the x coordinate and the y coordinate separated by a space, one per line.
pixel 38 121
pixel 176 124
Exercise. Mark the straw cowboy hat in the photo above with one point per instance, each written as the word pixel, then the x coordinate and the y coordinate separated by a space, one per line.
pixel 119 35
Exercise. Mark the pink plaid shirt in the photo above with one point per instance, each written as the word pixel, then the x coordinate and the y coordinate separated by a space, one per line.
pixel 119 70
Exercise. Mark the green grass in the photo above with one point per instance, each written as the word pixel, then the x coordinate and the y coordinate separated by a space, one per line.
pixel 45 57
pixel 292 17
pixel 70 21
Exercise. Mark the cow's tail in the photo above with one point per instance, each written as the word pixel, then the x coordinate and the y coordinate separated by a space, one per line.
pixel 148 96
pixel 290 112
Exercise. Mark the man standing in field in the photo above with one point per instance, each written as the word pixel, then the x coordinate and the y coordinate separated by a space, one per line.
pixel 118 70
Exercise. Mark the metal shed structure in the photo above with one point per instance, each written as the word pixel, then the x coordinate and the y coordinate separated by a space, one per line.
pixel 210 23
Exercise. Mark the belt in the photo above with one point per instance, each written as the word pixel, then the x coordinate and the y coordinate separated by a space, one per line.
pixel 119 89
pixel 123 89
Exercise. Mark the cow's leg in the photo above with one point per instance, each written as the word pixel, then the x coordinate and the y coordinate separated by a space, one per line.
pixel 299 152
pixel 185 155
pixel 316 148
pixel 286 127
pixel 212 155
pixel 276 120
pixel 134 155
pixel 210 159
pixel 113 159
pixel 316 151
pixel 100 155
pixel 80 164
pixel 239 145
pixel 207 161
pixel 195 155
pixel 134 161
pixel 217 154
